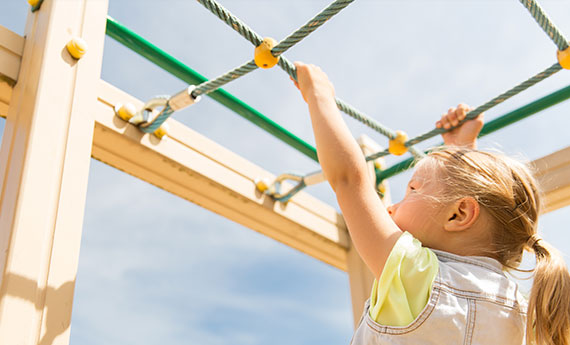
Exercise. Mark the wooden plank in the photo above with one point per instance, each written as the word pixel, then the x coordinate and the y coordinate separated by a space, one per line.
pixel 553 172
pixel 44 165
pixel 203 172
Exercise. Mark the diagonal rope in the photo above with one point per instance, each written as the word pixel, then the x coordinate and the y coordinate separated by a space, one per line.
pixel 290 69
pixel 214 84
pixel 233 21
pixel 542 19
pixel 495 101
pixel 310 26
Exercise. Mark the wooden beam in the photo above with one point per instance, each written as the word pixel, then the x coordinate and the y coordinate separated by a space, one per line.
pixel 44 165
pixel 197 169
pixel 553 172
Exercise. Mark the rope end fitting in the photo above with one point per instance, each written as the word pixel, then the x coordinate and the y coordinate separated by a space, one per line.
pixel 397 146
pixel 262 55
pixel 77 47
pixel 564 58
pixel 183 99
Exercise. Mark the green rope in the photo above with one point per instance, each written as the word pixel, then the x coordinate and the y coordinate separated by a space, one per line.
pixel 545 23
pixel 214 84
pixel 310 26
pixel 348 109
pixel 494 125
pixel 497 100
pixel 234 22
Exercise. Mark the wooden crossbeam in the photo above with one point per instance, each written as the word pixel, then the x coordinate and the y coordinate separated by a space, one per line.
pixel 197 169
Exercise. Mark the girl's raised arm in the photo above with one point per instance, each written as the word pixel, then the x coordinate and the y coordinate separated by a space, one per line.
pixel 372 230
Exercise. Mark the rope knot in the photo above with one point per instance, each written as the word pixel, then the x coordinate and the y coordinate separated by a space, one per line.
pixel 262 55
pixel 397 146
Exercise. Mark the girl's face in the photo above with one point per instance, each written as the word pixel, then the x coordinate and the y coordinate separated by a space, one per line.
pixel 420 213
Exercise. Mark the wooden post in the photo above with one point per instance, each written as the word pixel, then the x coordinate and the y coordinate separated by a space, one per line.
pixel 359 276
pixel 44 165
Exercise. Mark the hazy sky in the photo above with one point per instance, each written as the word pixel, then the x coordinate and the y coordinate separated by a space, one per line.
pixel 183 275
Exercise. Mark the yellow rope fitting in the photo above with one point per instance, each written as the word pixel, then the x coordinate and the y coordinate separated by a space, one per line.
pixel 33 2
pixel 382 189
pixel 161 131
pixel 262 55
pixel 261 184
pixel 564 58
pixel 125 111
pixel 396 145
pixel 77 47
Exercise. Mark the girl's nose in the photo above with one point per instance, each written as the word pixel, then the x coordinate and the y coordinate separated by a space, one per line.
pixel 391 209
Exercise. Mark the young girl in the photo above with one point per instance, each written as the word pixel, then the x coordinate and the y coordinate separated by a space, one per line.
pixel 438 256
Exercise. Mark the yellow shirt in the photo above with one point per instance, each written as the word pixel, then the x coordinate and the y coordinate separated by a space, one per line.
pixel 404 287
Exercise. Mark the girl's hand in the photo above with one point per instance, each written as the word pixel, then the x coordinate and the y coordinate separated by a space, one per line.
pixel 464 135
pixel 312 82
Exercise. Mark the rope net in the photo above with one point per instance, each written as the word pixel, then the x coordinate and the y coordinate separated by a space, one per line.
pixel 295 37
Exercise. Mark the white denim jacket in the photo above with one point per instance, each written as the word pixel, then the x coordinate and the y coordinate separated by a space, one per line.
pixel 472 302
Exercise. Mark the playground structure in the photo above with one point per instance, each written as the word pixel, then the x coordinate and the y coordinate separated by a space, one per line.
pixel 44 162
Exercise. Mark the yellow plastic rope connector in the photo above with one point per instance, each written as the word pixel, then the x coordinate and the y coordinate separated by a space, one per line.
pixel 33 2
pixel 77 47
pixel 262 55
pixel 564 58
pixel 161 131
pixel 396 145
pixel 125 111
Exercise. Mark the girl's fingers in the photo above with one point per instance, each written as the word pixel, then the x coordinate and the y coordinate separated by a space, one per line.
pixel 452 117
pixel 445 122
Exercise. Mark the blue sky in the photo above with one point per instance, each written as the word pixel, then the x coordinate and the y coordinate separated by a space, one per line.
pixel 181 274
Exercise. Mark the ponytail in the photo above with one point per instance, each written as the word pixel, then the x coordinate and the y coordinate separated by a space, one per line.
pixel 548 312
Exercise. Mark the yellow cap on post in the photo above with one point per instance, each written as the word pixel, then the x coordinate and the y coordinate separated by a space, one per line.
pixel 77 47
pixel 261 184
pixel 125 111
pixel 262 54
pixel 564 58
pixel 161 131
pixel 397 145
pixel 33 2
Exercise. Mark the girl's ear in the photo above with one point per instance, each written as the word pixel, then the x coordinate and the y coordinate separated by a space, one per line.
pixel 462 214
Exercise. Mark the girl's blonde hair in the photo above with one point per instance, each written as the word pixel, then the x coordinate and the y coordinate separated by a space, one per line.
pixel 507 190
